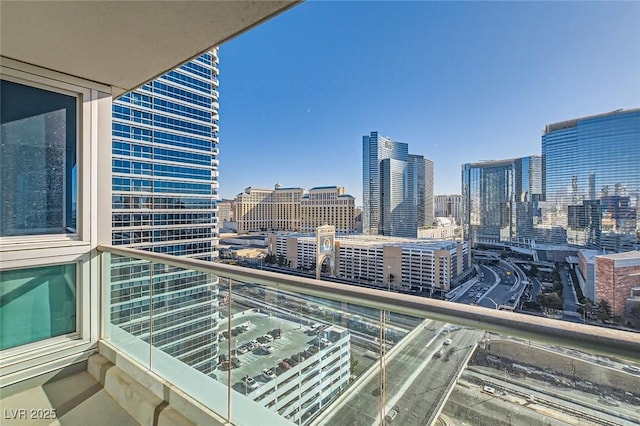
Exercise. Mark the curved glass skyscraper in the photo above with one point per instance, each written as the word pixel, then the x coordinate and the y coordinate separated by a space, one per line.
pixel 397 188
pixel 165 172
pixel 591 182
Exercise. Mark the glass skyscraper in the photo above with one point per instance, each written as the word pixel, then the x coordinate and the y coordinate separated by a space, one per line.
pixel 499 199
pixel 397 188
pixel 165 168
pixel 591 182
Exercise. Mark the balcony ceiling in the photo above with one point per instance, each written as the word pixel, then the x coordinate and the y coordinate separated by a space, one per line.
pixel 123 44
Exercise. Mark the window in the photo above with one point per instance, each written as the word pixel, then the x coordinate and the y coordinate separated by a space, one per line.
pixel 38 164
pixel 37 303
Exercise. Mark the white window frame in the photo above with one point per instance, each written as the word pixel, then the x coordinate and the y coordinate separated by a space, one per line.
pixel 93 223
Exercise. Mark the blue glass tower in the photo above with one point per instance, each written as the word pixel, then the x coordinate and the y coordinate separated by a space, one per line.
pixel 499 199
pixel 165 168
pixel 591 182
pixel 397 188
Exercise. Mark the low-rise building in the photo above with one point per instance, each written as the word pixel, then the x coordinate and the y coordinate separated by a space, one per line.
pixel 392 262
pixel 616 275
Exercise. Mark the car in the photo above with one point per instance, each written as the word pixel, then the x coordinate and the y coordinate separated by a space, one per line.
pixel 249 383
pixel 324 342
pixel 284 365
pixel 268 349
pixel 291 361
pixel 489 389
pixel 242 349
pixel 261 339
pixel 447 342
pixel 276 333
pixel 268 373
pixel 438 354
pixel 268 337
pixel 235 362
pixel 392 414
pixel 255 343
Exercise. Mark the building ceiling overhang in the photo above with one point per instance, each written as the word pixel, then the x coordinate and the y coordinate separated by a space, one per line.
pixel 123 44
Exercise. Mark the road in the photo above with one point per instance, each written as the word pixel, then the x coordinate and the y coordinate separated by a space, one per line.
pixel 416 382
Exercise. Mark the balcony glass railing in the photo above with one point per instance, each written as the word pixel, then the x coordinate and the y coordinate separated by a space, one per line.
pixel 258 347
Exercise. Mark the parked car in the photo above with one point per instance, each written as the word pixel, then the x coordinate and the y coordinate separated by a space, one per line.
pixel 276 333
pixel 447 342
pixel 268 349
pixel 242 349
pixel 284 365
pixel 250 383
pixel 268 337
pixel 268 374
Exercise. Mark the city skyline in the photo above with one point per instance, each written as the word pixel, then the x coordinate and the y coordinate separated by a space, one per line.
pixel 486 93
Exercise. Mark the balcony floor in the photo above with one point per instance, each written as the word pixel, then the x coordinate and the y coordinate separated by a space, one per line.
pixel 76 399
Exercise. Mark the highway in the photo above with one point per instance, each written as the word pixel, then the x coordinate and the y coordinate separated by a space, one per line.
pixel 417 382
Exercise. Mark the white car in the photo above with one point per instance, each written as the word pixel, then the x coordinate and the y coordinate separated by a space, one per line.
pixel 268 374
pixel 447 342
pixel 249 382
pixel 268 349
pixel 268 337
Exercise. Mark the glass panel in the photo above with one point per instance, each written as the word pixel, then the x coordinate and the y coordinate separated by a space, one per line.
pixel 184 341
pixel 36 304
pixel 38 170
pixel 285 357
pixel 127 313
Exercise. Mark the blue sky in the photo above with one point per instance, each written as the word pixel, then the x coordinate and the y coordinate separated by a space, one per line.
pixel 458 81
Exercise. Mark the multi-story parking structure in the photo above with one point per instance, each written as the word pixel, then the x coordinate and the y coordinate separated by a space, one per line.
pixel 392 262
pixel 304 390
pixel 164 191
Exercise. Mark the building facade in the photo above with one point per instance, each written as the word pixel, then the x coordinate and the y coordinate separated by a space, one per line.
pixel 390 262
pixel 499 199
pixel 165 170
pixel 291 209
pixel 397 188
pixel 616 276
pixel 449 206
pixel 591 182
pixel 328 205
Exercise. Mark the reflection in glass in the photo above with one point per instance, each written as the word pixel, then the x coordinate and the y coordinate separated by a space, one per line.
pixel 38 176
pixel 36 304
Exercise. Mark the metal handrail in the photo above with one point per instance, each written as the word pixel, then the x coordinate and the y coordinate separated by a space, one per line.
pixel 605 341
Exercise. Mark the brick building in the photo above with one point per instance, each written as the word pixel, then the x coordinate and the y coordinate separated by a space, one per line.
pixel 616 275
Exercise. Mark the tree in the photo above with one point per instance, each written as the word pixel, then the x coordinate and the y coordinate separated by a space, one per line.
pixel 634 316
pixel 603 310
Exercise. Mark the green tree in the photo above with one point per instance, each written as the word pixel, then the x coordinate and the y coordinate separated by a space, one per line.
pixel 603 310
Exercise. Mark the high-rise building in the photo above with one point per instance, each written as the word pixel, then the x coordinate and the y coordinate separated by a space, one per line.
pixel 499 197
pixel 291 209
pixel 449 206
pixel 327 205
pixel 397 188
pixel 165 168
pixel 591 182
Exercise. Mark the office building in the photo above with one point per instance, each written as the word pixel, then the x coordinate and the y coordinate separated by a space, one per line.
pixel 165 170
pixel 591 182
pixel 449 206
pixel 397 188
pixel 393 262
pixel 499 198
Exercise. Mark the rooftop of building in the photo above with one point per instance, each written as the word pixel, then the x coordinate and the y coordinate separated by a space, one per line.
pixel 498 163
pixel 567 124
pixel 381 241
pixel 629 258
pixel 295 337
